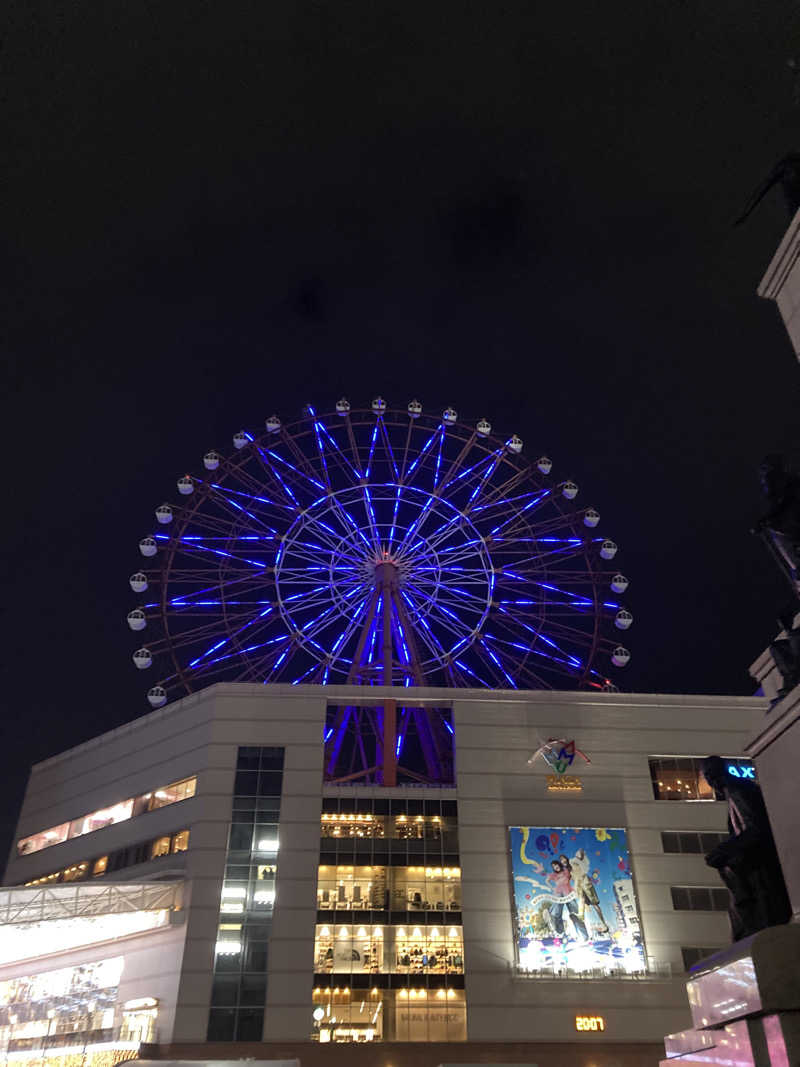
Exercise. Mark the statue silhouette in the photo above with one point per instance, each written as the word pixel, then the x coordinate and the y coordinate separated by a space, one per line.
pixel 748 860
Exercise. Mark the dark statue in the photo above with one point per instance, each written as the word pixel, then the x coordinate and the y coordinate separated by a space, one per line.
pixel 786 174
pixel 748 860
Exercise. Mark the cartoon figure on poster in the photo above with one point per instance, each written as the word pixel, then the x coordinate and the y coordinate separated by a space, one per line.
pixel 575 907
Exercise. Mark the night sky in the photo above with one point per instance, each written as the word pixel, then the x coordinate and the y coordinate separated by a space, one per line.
pixel 214 212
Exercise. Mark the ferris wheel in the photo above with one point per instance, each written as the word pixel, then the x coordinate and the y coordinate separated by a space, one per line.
pixel 377 547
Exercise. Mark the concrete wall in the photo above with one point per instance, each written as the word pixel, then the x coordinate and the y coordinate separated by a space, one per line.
pixel 497 789
pixel 495 735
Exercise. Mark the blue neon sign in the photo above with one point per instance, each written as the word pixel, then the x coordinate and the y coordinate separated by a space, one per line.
pixel 742 770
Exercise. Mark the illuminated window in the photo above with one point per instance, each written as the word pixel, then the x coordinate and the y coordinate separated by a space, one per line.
pixel 679 778
pixel 172 794
pixel 180 841
pixel 341 1014
pixel 160 847
pixel 99 865
pixel 119 812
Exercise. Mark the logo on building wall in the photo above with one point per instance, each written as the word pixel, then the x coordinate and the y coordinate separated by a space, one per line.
pixel 559 754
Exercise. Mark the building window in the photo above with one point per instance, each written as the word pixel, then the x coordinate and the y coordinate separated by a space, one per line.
pixel 698 898
pixel 679 778
pixel 694 954
pixel 239 988
pixel 363 949
pixel 689 841
pixel 160 847
pixel 180 841
pixel 115 861
pixel 97 820
pixel 344 887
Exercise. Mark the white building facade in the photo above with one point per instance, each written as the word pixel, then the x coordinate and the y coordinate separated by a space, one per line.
pixel 204 880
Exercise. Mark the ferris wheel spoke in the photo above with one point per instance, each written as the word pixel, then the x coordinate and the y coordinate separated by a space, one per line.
pixel 387 446
pixel 253 488
pixel 188 549
pixel 339 453
pixel 515 503
pixel 482 648
pixel 224 641
pixel 457 462
pixel 502 490
pixel 232 504
pixel 404 463
pixel 303 461
pixel 300 475
pixel 354 450
pixel 415 465
pixel 446 619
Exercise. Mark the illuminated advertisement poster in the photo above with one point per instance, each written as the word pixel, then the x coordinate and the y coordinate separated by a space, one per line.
pixel 574 904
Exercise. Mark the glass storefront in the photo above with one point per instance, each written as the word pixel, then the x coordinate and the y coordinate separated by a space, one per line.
pixel 350 948
pixel 369 888
pixel 56 1007
pixel 342 1014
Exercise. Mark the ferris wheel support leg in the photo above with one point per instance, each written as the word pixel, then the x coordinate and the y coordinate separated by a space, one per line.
pixel 389 770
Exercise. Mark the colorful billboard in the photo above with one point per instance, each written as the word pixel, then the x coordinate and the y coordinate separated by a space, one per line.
pixel 574 904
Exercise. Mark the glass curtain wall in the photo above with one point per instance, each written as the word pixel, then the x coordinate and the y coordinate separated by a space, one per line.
pixel 248 894
pixel 389 950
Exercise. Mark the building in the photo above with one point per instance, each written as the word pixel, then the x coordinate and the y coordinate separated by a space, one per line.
pixel 206 879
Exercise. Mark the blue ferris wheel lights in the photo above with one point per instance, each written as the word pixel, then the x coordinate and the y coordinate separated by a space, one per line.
pixel 441 513
pixel 371 451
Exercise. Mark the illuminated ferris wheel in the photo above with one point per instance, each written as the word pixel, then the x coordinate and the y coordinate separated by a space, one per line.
pixel 377 547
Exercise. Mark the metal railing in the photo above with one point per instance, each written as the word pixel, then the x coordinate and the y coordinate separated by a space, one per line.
pixel 654 970
pixel 27 905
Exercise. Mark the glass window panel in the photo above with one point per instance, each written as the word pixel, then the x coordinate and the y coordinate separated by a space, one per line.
pixel 160 847
pixel 680 898
pixel 241 837
pixel 690 842
pixel 248 759
pixel 225 990
pixel 709 841
pixel 245 783
pixel 670 841
pixel 253 990
pixel 270 783
pixel 221 1023
pixel 180 841
pixel 255 957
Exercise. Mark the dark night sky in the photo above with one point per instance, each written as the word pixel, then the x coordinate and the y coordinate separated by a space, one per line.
pixel 221 210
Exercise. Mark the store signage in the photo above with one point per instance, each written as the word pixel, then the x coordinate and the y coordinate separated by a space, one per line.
pixel 559 754
pixel 567 783
pixel 742 770
pixel 591 1023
